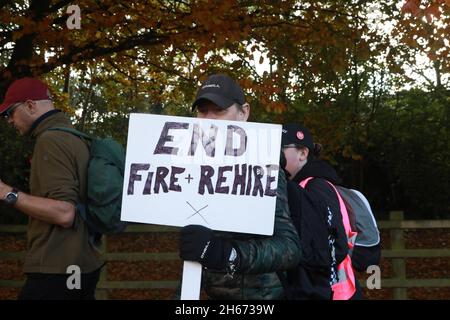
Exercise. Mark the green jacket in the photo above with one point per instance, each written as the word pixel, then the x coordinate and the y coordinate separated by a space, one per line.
pixel 58 171
pixel 260 258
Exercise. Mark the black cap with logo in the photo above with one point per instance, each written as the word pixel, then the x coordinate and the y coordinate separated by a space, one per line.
pixel 221 90
pixel 296 134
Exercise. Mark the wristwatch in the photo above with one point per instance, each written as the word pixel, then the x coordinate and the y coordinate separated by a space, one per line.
pixel 11 197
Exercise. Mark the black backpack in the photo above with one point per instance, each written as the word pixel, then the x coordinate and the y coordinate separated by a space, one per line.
pixel 317 219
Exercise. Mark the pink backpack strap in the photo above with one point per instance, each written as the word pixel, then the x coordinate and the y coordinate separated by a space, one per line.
pixel 303 183
pixel 345 219
pixel 351 235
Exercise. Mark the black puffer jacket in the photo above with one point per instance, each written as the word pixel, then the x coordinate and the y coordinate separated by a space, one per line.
pixel 310 280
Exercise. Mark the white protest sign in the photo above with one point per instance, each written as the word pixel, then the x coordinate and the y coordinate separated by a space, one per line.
pixel 220 174
pixel 216 173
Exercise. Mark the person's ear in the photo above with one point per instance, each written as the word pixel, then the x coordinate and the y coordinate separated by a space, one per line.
pixel 303 153
pixel 244 113
pixel 30 107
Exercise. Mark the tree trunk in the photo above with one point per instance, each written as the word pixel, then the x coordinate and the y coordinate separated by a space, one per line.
pixel 437 69
pixel 85 105
pixel 66 79
pixel 19 64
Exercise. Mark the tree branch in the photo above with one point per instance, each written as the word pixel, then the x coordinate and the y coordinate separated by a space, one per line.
pixel 115 66
pixel 91 50
pixel 170 71
pixel 3 3
pixel 59 5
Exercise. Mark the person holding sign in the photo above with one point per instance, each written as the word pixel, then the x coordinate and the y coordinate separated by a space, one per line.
pixel 237 265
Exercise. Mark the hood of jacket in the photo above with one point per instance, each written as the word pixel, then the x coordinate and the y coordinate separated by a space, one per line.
pixel 317 169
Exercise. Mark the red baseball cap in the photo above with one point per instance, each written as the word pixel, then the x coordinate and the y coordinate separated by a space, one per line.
pixel 25 89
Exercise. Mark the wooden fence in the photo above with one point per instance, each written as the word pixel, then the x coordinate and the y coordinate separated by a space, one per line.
pixel 398 254
pixel 118 251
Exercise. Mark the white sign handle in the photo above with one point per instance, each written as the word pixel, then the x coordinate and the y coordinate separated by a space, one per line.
pixel 192 278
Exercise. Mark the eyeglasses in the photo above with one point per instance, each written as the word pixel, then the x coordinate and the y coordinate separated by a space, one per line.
pixel 9 113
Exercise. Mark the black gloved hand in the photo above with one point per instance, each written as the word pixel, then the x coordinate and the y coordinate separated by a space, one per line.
pixel 198 243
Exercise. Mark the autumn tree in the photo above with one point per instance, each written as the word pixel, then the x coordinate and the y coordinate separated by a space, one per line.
pixel 336 66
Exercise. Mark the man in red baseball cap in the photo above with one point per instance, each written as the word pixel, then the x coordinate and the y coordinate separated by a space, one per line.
pixel 21 99
pixel 25 89
pixel 58 238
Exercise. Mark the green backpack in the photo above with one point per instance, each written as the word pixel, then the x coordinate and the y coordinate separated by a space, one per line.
pixel 101 212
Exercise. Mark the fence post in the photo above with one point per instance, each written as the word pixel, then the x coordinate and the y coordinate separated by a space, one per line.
pixel 102 294
pixel 398 264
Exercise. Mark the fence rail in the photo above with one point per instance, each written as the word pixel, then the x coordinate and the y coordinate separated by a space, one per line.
pixel 397 254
